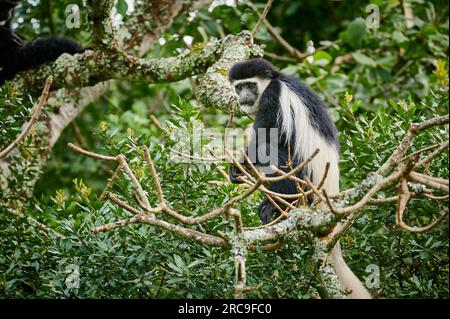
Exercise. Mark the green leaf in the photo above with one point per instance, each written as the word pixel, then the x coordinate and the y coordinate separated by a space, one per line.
pixel 122 7
pixel 140 258
pixel 428 29
pixel 363 59
pixel 179 262
pixel 399 37
pixel 174 268
pixel 355 33
pixel 195 263
pixel 393 105
pixel 322 58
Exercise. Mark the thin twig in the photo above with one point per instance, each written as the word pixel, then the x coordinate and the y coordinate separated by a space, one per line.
pixel 33 119
pixel 292 172
pixel 237 219
pixel 268 247
pixel 315 190
pixel 143 198
pixel 324 177
pixel 279 57
pixel 413 154
pixel 438 180
pixel 196 158
pixel 273 222
pixel 262 17
pixel 78 149
pixel 403 199
pixel 402 202
pixel 76 129
pixel 276 194
pixel 272 201
pixel 434 197
pixel 223 173
pixel 429 181
pixel 252 166
pixel 155 121
pixel 238 165
pixel 293 51
pixel 407 141
pixel 432 155
pixel 110 182
pixel 415 229
pixel 225 138
pixel 121 203
pixel 154 175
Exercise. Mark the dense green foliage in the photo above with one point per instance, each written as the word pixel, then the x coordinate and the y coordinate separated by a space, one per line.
pixel 377 82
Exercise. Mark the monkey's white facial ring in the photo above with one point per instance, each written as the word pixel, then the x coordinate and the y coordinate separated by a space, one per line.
pixel 249 92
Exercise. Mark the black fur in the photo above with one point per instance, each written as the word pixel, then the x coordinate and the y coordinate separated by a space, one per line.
pixel 18 54
pixel 6 9
pixel 267 117
pixel 252 68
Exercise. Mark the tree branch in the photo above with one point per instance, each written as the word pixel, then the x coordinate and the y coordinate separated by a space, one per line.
pixel 33 119
pixel 99 13
pixel 407 141
pixel 92 67
pixel 262 17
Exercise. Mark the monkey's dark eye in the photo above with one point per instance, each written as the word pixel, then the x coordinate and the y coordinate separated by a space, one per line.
pixel 252 86
pixel 238 88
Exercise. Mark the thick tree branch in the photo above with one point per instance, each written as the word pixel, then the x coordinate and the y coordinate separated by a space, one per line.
pixel 92 67
pixel 237 49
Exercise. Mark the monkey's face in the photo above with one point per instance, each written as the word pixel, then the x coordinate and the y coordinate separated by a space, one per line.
pixel 247 92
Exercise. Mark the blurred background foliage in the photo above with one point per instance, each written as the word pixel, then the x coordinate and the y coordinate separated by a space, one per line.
pixel 376 82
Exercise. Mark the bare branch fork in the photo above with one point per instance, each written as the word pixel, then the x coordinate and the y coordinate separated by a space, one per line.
pixel 389 173
pixel 162 206
pixel 240 242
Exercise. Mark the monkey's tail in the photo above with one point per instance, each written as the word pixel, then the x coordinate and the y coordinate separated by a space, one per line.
pixel 346 275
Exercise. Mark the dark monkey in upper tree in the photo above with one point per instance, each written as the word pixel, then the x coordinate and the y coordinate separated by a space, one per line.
pixel 18 54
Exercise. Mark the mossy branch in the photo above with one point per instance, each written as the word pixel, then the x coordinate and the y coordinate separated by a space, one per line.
pixel 92 67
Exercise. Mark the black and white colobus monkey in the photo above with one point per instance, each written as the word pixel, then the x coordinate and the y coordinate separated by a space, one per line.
pixel 18 54
pixel 301 121
pixel 300 118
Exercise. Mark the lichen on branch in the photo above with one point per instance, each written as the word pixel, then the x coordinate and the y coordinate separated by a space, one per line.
pixel 92 67
pixel 215 89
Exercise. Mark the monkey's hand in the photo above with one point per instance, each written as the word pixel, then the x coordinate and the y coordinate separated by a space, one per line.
pixel 235 173
pixel 265 210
